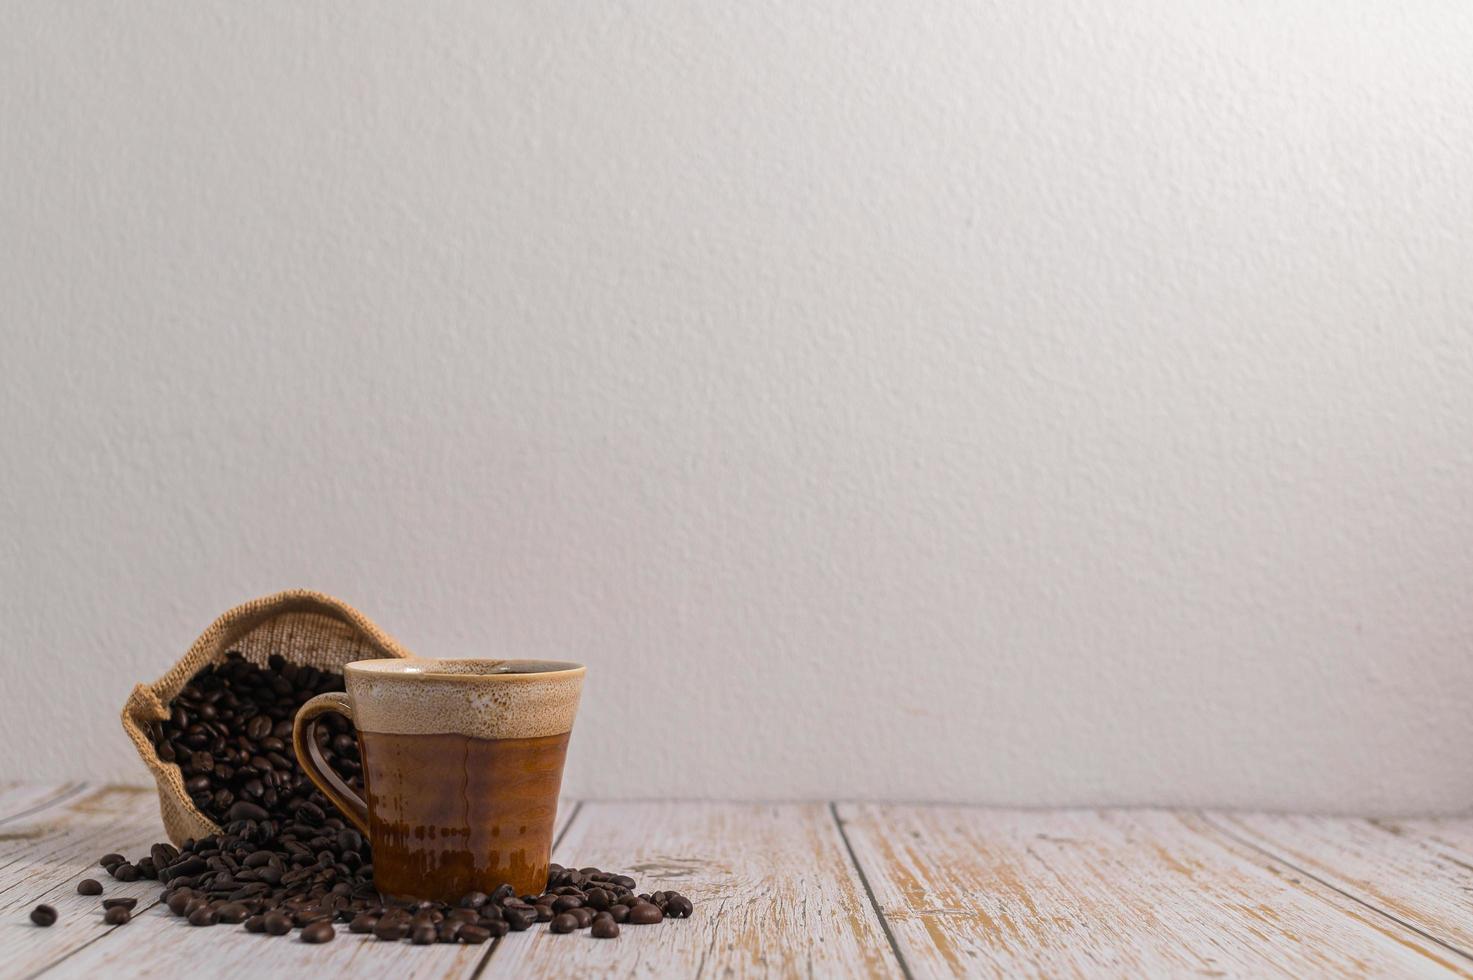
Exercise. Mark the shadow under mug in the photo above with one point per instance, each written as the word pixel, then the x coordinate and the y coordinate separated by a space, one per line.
pixel 462 765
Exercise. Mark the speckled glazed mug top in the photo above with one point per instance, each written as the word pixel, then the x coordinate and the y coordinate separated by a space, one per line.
pixel 474 698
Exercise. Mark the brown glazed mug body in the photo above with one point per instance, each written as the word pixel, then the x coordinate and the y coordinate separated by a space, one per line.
pixel 462 765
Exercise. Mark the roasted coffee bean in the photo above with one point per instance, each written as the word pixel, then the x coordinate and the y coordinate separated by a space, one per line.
pixel 125 872
pixel 619 913
pixel 678 907
pixel 584 916
pixel 246 810
pixel 125 903
pixel 544 912
pixel 519 920
pixel 277 923
pixel 496 927
pixel 256 923
pixel 473 935
pixel 391 930
pixel 644 914
pixel 563 923
pixel 43 915
pixel 474 900
pixel 362 923
pixel 110 861
pixel 604 927
pixel 117 916
pixel 203 916
pixel 89 886
pixel 232 913
pixel 566 902
pixel 163 854
pixel 178 901
pixel 448 930
pixel 598 899
pixel 423 935
pixel 318 932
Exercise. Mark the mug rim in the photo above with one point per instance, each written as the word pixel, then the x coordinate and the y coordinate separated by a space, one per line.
pixel 380 667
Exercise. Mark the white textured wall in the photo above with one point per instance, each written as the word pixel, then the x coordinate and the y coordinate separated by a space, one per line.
pixel 1033 402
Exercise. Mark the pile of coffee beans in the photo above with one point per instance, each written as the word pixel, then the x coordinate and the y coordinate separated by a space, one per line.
pixel 284 859
pixel 230 732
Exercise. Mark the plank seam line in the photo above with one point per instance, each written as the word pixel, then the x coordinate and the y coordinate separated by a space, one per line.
pixel 496 943
pixel 102 935
pixel 69 795
pixel 1220 828
pixel 870 893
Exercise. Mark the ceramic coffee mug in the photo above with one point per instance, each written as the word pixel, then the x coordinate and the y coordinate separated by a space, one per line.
pixel 462 763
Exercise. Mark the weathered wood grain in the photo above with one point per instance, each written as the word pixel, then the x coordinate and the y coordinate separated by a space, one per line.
pixel 775 894
pixel 159 946
pixel 22 799
pixel 45 853
pixel 1113 893
pixel 1420 871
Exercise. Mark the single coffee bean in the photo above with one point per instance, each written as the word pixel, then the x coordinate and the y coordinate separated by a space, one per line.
pixel 496 927
pixel 391 930
pixel 277 923
pixel 125 872
pixel 583 915
pixel 232 913
pixel 473 935
pixel 519 920
pixel 644 914
pixel 598 899
pixel 124 903
pixel 449 929
pixel 563 923
pixel 163 854
pixel 318 932
pixel 117 916
pixel 203 916
pixel 474 900
pixel 89 886
pixel 678 907
pixel 246 810
pixel 362 923
pixel 566 902
pixel 604 928
pixel 256 923
pixel 43 915
pixel 423 934
pixel 619 913
pixel 178 901
pixel 110 861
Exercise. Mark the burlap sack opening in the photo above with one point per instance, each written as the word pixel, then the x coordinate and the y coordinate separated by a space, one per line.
pixel 305 627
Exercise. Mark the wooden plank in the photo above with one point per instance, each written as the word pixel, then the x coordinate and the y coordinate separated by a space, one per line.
pixel 44 854
pixel 1117 893
pixel 159 946
pixel 774 889
pixel 22 799
pixel 1419 871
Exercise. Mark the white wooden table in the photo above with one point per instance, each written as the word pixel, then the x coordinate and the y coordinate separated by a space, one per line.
pixel 835 890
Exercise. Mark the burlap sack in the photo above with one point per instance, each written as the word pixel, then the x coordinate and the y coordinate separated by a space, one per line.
pixel 306 627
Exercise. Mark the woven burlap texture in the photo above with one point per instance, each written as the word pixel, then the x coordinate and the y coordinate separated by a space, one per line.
pixel 305 627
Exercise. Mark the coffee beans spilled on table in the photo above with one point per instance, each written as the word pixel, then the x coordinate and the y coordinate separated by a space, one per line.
pixel 285 860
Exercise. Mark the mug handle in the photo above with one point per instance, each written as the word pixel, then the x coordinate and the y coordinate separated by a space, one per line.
pixel 309 756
